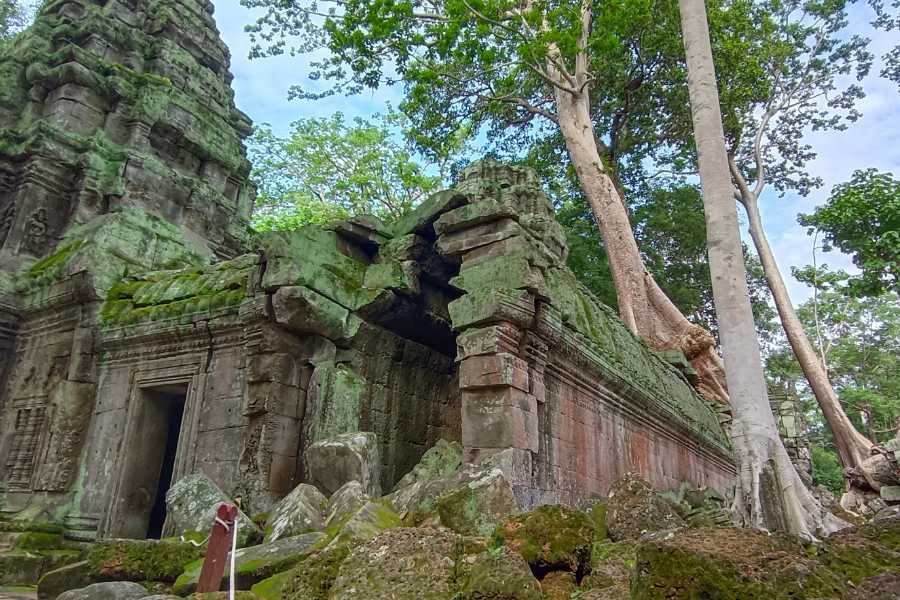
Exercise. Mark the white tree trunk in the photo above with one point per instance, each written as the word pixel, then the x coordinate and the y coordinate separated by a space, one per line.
pixel 853 447
pixel 769 493
pixel 643 306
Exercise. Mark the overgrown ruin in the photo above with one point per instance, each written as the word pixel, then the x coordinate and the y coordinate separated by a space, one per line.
pixel 147 335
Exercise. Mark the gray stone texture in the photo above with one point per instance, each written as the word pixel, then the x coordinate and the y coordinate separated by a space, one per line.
pixel 109 590
pixel 332 462
pixel 191 505
pixel 301 511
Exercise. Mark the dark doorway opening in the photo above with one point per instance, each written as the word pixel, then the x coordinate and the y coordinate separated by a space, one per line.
pixel 173 406
pixel 150 462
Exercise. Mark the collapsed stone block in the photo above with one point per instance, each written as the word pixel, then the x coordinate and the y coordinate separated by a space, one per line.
pixel 332 462
pixel 191 505
pixel 301 511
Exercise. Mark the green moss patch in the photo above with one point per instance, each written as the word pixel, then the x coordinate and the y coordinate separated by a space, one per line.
pixel 730 564
pixel 141 560
pixel 163 295
pixel 311 579
pixel 549 538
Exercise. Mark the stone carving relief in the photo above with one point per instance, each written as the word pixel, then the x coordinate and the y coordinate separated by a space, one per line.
pixel 29 422
pixel 7 218
pixel 37 232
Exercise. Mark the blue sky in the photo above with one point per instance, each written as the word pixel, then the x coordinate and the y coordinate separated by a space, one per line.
pixel 261 88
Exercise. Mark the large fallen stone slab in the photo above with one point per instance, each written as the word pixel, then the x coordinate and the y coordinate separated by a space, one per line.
pixel 367 522
pixel 441 460
pixel 108 590
pixel 344 502
pixel 255 563
pixel 301 511
pixel 477 506
pixel 346 457
pixel 191 506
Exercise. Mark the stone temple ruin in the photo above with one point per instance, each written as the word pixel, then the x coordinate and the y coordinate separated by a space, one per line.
pixel 145 335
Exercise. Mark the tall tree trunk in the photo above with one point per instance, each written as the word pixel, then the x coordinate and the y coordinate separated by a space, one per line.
pixel 769 492
pixel 853 448
pixel 643 306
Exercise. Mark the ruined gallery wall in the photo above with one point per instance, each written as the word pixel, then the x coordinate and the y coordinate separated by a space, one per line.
pixel 554 388
pixel 411 399
pixel 590 434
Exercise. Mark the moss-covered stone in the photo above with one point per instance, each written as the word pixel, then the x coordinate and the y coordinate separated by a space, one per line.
pixel 477 506
pixel 549 538
pixel 611 565
pixel 108 247
pixel 165 295
pixel 312 579
pixel 496 574
pixel 634 509
pixel 238 595
pixel 441 460
pixel 885 531
pixel 141 560
pixel 367 522
pixel 405 564
pixel 730 564
pixel 858 554
pixel 37 541
pixel 255 563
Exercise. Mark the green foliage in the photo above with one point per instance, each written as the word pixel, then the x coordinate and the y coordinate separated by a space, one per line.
pixel 858 339
pixel 862 218
pixel 888 19
pixel 14 16
pixel 827 470
pixel 671 231
pixel 327 170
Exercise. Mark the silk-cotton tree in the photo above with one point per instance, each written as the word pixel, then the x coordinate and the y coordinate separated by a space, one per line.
pixel 804 57
pixel 769 492
pixel 520 70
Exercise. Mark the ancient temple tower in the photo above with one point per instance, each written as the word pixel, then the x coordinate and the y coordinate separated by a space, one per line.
pixel 121 151
pixel 108 104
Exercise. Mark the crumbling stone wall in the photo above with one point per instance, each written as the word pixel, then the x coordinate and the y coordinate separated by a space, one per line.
pixel 549 376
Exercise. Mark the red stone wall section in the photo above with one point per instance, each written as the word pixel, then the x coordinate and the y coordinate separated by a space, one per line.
pixel 547 373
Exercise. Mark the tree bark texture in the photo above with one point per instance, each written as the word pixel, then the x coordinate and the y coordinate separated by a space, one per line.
pixel 643 306
pixel 853 448
pixel 769 493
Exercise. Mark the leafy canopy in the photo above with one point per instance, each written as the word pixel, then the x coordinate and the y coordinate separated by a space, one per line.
pixel 858 340
pixel 14 16
pixel 862 219
pixel 328 169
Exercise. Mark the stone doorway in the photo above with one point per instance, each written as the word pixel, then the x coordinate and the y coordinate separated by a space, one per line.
pixel 149 465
